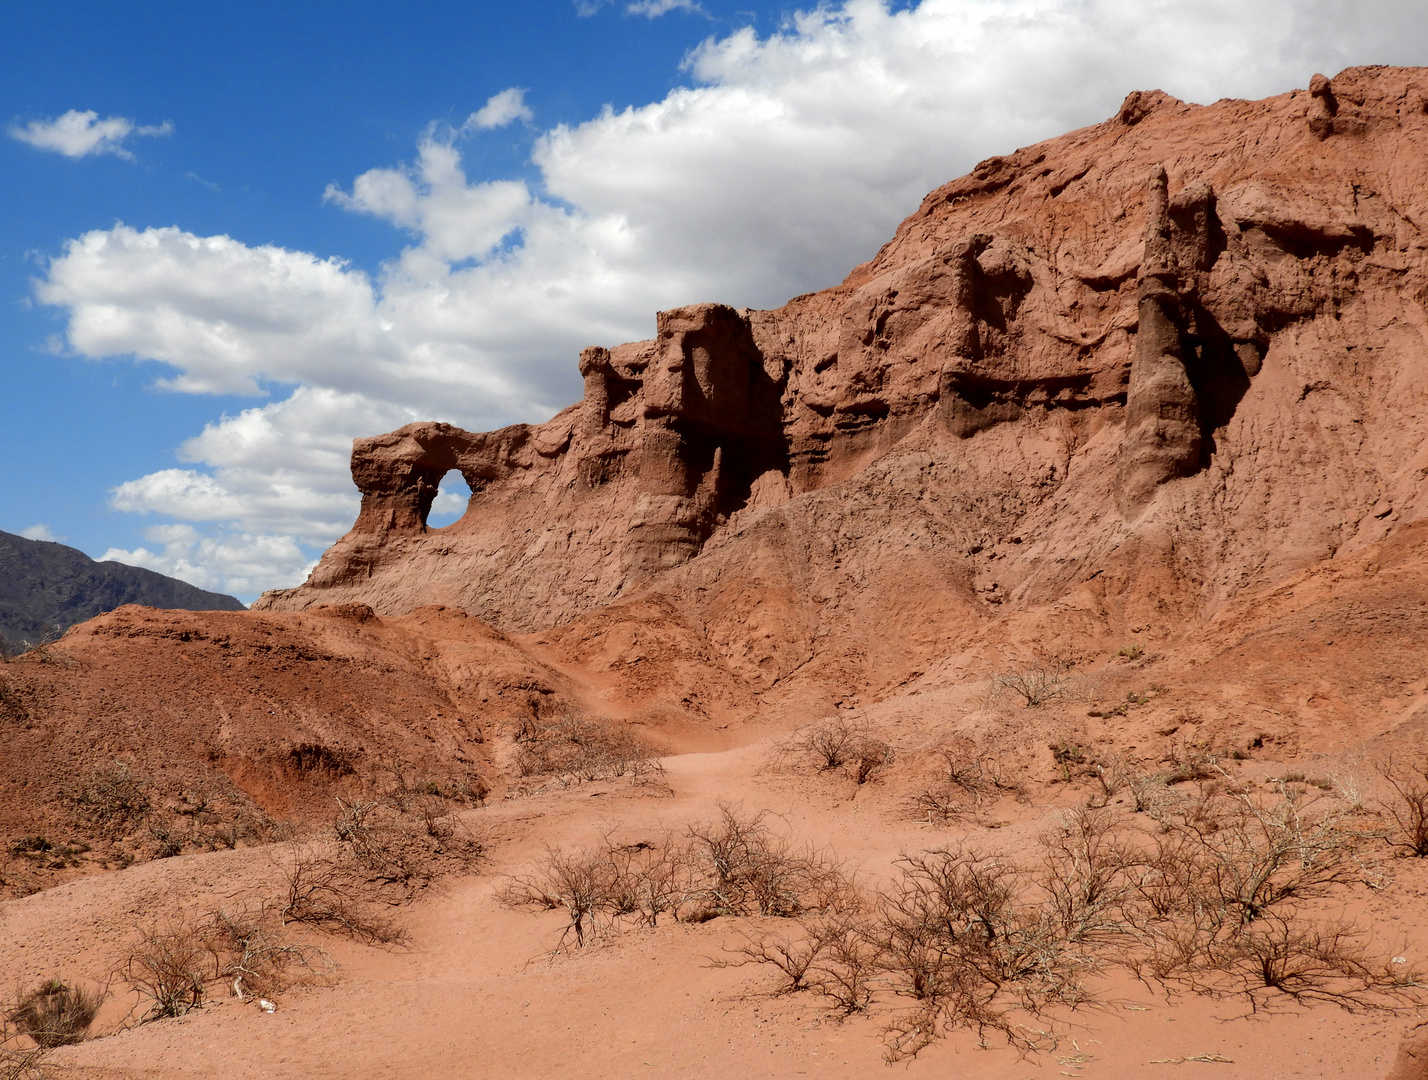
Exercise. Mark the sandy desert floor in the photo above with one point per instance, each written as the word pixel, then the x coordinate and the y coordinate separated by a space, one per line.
pixel 477 993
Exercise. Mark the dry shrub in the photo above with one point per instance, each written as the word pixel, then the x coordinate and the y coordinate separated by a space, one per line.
pixel 174 966
pixel 1192 763
pixel 323 891
pixel 1253 852
pixel 114 797
pixel 575 749
pixel 1407 803
pixel 743 867
pixel 1034 684
pixel 21 1062
pixel 251 955
pixel 1216 896
pixel 468 788
pixel 733 865
pixel 954 933
pixel 601 885
pixel 842 744
pixel 967 775
pixel 168 967
pixel 581 883
pixel 379 857
pixel 55 1013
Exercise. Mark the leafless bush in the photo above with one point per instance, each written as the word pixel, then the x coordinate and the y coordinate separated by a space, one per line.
pixel 1408 803
pixel 324 891
pixel 575 749
pixel 55 1013
pixel 601 885
pixel 1192 763
pixel 380 857
pixel 744 868
pixel 175 966
pixel 734 865
pixel 168 966
pixel 1215 896
pixel 967 777
pixel 249 953
pixel 1256 852
pixel 953 935
pixel 1034 684
pixel 830 951
pixel 581 883
pixel 1084 878
pixel 403 852
pixel 41 650
pixel 938 805
pixel 21 1062
pixel 377 841
pixel 1307 961
pixel 465 789
pixel 847 959
pixel 840 743
pixel 648 880
pixel 114 797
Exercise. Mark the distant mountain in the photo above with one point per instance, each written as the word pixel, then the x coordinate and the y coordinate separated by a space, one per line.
pixel 47 588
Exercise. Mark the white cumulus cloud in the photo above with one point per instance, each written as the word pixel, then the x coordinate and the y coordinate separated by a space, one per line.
pixel 77 133
pixel 653 9
pixel 786 160
pixel 40 531
pixel 235 563
pixel 501 109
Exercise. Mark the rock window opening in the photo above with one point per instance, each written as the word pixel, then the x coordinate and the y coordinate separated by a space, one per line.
pixel 452 495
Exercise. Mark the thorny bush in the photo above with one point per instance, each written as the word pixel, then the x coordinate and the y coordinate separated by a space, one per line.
pixel 173 966
pixel 1215 894
pixel 840 743
pixel 732 865
pixel 378 857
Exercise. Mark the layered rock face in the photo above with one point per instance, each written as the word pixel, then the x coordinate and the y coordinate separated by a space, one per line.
pixel 1104 383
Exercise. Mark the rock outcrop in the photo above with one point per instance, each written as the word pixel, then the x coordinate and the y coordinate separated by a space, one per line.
pixel 1059 396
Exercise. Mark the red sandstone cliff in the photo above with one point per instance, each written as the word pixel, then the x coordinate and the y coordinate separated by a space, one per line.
pixel 1106 382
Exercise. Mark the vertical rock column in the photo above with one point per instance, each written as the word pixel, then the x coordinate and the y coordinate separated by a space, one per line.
pixel 595 370
pixel 963 335
pixel 1162 438
pixel 674 504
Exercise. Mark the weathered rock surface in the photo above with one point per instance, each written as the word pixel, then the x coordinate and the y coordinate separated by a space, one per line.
pixel 1128 373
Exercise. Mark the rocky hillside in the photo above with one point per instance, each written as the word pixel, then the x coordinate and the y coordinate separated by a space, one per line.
pixel 1107 384
pixel 46 588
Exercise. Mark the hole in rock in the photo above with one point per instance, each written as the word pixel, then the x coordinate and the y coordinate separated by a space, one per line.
pixel 452 496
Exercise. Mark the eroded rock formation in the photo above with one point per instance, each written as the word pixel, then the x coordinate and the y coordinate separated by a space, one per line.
pixel 1059 393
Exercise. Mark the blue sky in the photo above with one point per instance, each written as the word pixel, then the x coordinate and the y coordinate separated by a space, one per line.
pixel 317 221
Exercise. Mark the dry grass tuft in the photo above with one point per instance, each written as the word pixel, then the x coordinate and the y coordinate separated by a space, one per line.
pixel 55 1013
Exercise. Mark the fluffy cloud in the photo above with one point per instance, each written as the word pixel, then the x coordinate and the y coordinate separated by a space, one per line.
pixel 40 531
pixel 77 134
pixel 788 159
pixel 278 469
pixel 653 9
pixel 501 109
pixel 235 563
